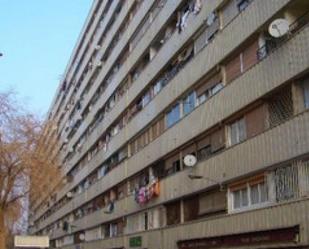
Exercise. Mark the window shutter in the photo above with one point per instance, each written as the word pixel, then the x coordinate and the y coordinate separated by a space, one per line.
pixel 232 69
pixel 190 149
pixel 217 140
pixel 191 209
pixel 200 41
pixel 256 121
pixel 209 83
pixel 212 202
pixel 229 11
pixel 203 142
pixel 250 55
pixel 169 161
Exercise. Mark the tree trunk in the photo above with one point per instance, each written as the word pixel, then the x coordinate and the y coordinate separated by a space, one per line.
pixel 2 230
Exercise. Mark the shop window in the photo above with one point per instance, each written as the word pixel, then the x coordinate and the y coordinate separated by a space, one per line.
pixel 237 131
pixel 173 116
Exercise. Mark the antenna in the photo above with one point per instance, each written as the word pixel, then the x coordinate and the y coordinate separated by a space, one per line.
pixel 279 28
pixel 190 160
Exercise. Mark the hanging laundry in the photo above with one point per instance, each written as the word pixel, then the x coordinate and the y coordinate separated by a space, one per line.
pixel 197 7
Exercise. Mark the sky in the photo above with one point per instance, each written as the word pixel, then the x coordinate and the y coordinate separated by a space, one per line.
pixel 37 38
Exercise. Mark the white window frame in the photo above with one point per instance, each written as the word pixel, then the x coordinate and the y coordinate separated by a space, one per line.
pixel 237 122
pixel 250 206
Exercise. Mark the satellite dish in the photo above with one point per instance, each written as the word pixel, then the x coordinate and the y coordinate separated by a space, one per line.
pixel 278 28
pixel 211 18
pixel 82 236
pixel 190 160
pixel 69 195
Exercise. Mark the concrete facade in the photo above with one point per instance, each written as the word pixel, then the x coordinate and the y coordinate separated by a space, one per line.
pixel 203 78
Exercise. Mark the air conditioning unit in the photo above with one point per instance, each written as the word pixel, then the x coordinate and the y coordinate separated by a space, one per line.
pixel 97 47
pixel 69 194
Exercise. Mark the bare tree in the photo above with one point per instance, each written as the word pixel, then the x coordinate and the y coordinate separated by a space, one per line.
pixel 29 166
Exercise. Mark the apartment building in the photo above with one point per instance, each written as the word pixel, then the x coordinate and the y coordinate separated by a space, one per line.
pixel 152 82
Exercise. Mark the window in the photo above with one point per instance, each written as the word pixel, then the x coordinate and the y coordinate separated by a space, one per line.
pixel 280 106
pixel 238 131
pixel 113 230
pixel 173 115
pixel 216 88
pixel 242 4
pixel 172 213
pixel 240 198
pixel 258 193
pixel 146 99
pixel 209 88
pixel 306 93
pixel 157 87
pixel 204 152
pixel 286 183
pixel 252 192
pixel 175 168
pixel 189 103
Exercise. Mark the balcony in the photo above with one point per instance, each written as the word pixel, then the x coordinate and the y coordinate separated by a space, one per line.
pixel 276 62
pixel 222 167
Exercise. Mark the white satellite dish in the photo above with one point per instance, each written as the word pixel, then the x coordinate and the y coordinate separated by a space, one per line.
pixel 190 160
pixel 278 28
pixel 211 18
pixel 82 236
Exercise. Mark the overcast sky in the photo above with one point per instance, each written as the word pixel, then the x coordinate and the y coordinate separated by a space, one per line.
pixel 36 39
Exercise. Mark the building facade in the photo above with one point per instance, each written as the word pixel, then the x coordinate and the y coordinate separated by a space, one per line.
pixel 150 82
